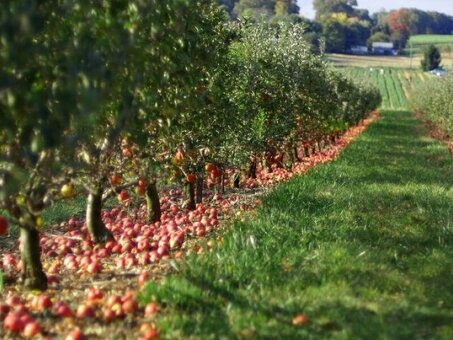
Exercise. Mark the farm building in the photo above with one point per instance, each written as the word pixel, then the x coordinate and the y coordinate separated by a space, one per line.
pixel 359 50
pixel 383 48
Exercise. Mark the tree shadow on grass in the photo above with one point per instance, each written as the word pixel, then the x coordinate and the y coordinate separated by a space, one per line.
pixel 198 297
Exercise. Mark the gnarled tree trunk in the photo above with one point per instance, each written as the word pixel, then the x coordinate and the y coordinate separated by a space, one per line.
pixel 96 227
pixel 237 180
pixel 190 194
pixel 252 169
pixel 32 272
pixel 199 183
pixel 296 154
pixel 152 203
pixel 222 182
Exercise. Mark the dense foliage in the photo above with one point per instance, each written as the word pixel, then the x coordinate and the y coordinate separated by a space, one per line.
pixel 141 94
pixel 433 98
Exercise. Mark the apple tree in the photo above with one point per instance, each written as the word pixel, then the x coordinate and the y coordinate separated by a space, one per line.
pixel 178 119
pixel 46 98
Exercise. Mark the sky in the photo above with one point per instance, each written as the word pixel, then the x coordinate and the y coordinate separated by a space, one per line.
pixel 443 6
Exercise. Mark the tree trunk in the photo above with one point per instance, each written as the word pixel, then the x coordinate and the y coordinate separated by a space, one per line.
pixel 296 154
pixel 333 139
pixel 190 193
pixel 97 229
pixel 291 160
pixel 237 180
pixel 222 182
pixel 199 184
pixel 252 170
pixel 153 211
pixel 33 274
pixel 307 151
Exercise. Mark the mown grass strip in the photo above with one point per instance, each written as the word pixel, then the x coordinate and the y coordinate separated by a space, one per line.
pixel 363 246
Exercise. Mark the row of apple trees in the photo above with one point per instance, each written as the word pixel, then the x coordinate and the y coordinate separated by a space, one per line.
pixel 433 98
pixel 103 96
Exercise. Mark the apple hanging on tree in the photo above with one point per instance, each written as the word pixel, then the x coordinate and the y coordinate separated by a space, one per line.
pixel 67 190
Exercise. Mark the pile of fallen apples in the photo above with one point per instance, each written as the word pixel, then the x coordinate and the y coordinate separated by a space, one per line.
pixel 18 315
pixel 137 245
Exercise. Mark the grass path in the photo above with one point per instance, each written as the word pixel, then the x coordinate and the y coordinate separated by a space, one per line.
pixel 363 246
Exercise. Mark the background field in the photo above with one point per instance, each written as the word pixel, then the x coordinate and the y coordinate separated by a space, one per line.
pixel 416 42
pixel 395 84
pixel 419 42
pixel 432 38
pixel 344 60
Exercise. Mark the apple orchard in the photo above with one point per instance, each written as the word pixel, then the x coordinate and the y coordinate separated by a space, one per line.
pixel 163 108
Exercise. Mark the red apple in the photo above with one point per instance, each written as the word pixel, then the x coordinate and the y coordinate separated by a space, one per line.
pixel 178 158
pixel 13 323
pixel 62 310
pixel 162 250
pixel 93 294
pixel 127 151
pixel 85 311
pixel 4 310
pixel 108 315
pixel 123 196
pixel 149 333
pixel 43 302
pixel 117 308
pixel 143 278
pixel 94 267
pixel 140 191
pixel 190 178
pixel 76 334
pixel 130 306
pixel 209 167
pixel 151 309
pixel 113 299
pixel 13 300
pixel 215 173
pixel 115 180
pixel 142 182
pixel 31 329
pixel 300 319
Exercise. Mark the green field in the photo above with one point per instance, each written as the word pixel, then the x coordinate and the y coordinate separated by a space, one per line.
pixel 402 61
pixel 443 42
pixel 408 59
pixel 394 84
pixel 423 39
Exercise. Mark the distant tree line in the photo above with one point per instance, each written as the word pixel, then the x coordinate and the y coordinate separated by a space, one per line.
pixel 259 8
pixel 340 24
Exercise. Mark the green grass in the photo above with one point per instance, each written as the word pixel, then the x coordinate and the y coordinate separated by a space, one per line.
pixel 62 210
pixel 363 246
pixel 431 39
pixel 56 213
